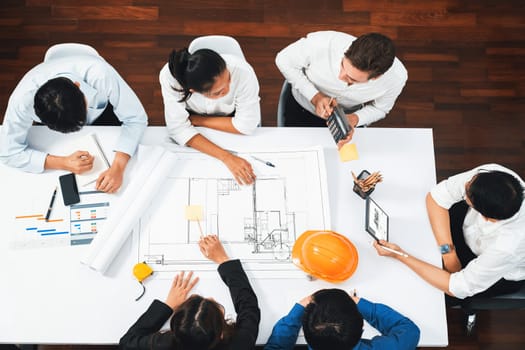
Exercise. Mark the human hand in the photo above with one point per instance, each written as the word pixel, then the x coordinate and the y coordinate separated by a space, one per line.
pixel 78 162
pixel 211 247
pixel 353 119
pixel 306 300
pixel 451 262
pixel 240 168
pixel 354 296
pixel 110 180
pixel 324 105
pixel 383 252
pixel 180 289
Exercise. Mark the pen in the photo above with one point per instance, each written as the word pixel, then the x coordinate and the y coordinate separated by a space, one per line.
pixel 393 251
pixel 329 104
pixel 257 159
pixel 263 161
pixel 48 214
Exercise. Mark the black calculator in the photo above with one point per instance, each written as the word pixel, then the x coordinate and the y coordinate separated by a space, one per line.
pixel 338 124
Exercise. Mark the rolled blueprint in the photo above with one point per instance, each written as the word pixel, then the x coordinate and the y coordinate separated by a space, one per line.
pixel 145 183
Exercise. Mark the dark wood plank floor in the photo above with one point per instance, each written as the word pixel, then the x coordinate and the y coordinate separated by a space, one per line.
pixel 466 64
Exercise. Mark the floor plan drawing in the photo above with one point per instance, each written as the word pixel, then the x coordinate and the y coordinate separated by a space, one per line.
pixel 258 223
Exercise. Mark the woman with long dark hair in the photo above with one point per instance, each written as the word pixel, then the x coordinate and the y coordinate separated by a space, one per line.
pixel 198 322
pixel 217 91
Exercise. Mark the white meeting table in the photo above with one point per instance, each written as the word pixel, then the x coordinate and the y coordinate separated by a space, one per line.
pixel 48 297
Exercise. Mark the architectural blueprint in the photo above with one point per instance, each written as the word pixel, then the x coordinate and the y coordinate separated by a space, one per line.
pixel 257 223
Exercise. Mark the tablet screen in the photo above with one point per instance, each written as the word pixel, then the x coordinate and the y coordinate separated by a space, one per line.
pixel 376 223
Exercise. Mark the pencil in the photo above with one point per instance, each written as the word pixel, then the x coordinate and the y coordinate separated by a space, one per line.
pixel 393 251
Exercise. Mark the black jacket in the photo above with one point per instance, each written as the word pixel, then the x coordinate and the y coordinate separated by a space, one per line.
pixel 145 335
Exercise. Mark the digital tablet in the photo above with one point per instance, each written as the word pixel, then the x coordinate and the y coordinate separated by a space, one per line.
pixel 376 221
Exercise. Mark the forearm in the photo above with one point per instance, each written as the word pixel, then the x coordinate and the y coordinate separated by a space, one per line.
pixel 439 221
pixel 436 276
pixel 55 162
pixel 204 145
pixel 120 161
pixel 220 123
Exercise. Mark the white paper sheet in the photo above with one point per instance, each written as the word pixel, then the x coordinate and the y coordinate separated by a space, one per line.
pixel 257 224
pixel 147 177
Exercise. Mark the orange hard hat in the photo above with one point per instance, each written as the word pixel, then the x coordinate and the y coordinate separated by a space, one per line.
pixel 327 255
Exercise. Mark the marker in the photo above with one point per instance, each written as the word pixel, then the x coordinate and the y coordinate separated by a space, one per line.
pixel 393 251
pixel 48 214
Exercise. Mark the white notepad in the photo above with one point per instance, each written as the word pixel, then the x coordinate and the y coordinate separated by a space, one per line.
pixel 90 144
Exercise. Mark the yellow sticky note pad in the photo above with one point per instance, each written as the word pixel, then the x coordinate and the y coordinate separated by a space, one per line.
pixel 348 152
pixel 194 212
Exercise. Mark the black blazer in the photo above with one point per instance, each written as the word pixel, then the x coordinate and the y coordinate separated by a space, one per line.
pixel 145 335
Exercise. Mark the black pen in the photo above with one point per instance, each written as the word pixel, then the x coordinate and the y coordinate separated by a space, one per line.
pixel 48 214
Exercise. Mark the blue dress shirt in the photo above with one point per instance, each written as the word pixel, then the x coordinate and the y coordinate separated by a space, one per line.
pixel 397 331
pixel 99 82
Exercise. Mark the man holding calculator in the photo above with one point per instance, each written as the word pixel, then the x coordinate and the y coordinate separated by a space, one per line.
pixel 329 68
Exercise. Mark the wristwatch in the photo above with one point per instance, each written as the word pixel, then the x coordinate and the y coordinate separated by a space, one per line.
pixel 446 248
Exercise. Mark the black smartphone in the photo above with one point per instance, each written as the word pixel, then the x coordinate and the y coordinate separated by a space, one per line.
pixel 68 185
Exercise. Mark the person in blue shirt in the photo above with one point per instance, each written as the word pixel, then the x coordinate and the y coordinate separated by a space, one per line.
pixel 333 320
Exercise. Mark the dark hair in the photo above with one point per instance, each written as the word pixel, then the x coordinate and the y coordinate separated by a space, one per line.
pixel 199 323
pixel 196 71
pixel 373 53
pixel 61 105
pixel 495 194
pixel 331 321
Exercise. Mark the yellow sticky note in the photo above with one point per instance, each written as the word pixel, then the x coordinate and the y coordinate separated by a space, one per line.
pixel 348 152
pixel 194 212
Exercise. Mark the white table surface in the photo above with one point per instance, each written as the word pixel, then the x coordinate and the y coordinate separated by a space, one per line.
pixel 47 296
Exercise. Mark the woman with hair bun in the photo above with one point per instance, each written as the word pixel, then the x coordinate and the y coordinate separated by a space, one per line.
pixel 207 89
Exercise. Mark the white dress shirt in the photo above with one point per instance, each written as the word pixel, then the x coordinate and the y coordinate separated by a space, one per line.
pixel 243 99
pixel 312 65
pixel 499 246
pixel 99 82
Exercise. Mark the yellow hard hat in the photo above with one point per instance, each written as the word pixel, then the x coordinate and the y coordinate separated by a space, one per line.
pixel 327 255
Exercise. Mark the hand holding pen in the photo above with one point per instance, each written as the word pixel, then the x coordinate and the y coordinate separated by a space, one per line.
pixel 385 248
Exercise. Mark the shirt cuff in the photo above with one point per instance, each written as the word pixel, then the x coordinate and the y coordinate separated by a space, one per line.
pixel 36 162
pixel 458 286
pixel 182 137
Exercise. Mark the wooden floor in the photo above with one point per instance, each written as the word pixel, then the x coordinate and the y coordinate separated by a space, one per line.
pixel 465 60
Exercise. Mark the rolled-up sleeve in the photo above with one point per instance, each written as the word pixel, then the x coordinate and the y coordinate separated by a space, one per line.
pixel 293 59
pixel 482 272
pixel 126 106
pixel 247 107
pixel 179 126
pixel 380 107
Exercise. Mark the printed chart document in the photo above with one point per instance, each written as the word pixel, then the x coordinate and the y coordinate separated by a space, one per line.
pixel 258 223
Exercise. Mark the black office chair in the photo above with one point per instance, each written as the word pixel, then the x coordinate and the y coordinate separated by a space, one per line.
pixel 286 90
pixel 512 301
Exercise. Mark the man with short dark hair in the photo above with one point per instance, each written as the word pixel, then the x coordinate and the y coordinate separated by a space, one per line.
pixel 65 93
pixel 333 320
pixel 478 220
pixel 327 68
